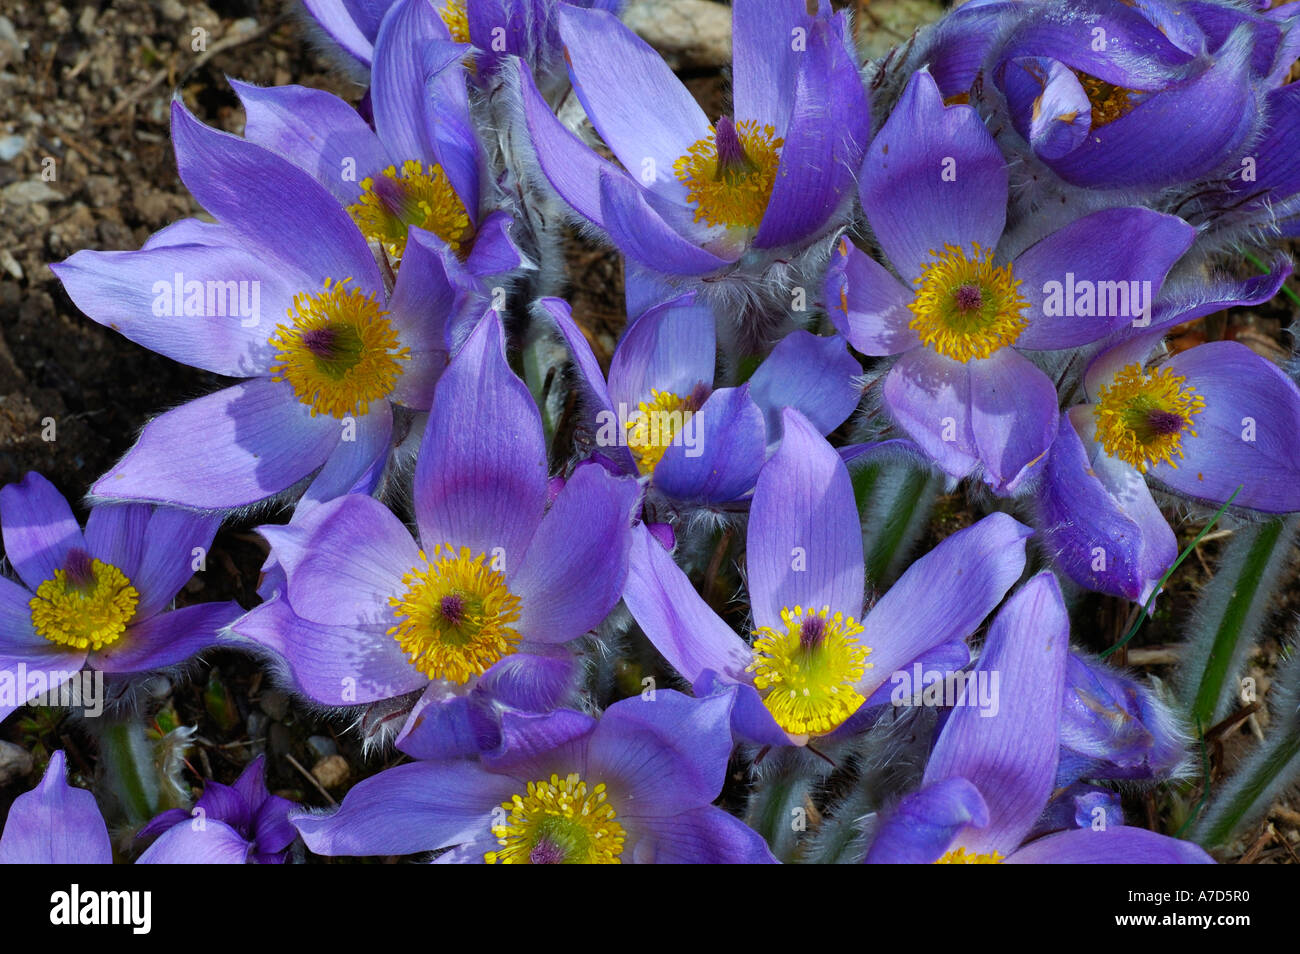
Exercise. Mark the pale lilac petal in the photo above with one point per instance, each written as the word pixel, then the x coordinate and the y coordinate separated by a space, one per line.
pixel 662 755
pixel 867 304
pixel 480 481
pixel 914 203
pixel 353 563
pixel 167 638
pixel 641 110
pixel 812 375
pixel 1116 845
pixel 38 528
pixel 805 541
pixel 229 449
pixel 332 665
pixel 1011 755
pixel 676 619
pixel 215 843
pixel 572 573
pixel 1013 417
pixel 55 824
pixel 411 808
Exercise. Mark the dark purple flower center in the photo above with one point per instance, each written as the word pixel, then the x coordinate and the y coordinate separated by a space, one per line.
pixel 79 567
pixel 546 852
pixel 452 608
pixel 811 632
pixel 393 196
pixel 1162 423
pixel 322 342
pixel 969 298
pixel 732 158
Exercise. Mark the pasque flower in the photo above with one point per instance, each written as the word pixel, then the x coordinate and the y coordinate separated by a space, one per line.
pixel 283 292
pixel 962 307
pixel 660 417
pixel 1200 423
pixel 563 788
pixel 229 824
pixel 99 598
pixel 55 824
pixel 816 659
pixel 422 163
pixel 989 776
pixel 524 28
pixel 479 609
pixel 1110 94
pixel 693 197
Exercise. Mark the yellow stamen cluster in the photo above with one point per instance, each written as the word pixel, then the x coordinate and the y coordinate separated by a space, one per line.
pixel 558 822
pixel 456 17
pixel 651 430
pixel 811 670
pixel 418 195
pixel 454 620
pixel 339 351
pixel 1109 102
pixel 88 615
pixel 961 856
pixel 1143 415
pixel 734 196
pixel 965 306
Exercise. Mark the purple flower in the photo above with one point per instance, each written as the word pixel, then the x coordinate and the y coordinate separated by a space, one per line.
pixel 55 824
pixel 1114 727
pixel 420 165
pixel 693 197
pixel 816 660
pixel 228 825
pixel 1199 423
pixel 990 776
pixel 563 788
pixel 99 599
pixel 934 187
pixel 321 382
pixel 524 28
pixel 660 418
pixel 481 608
pixel 1109 94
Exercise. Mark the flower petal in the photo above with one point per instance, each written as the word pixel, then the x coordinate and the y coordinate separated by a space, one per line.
pixel 480 481
pixel 229 449
pixel 926 822
pixel 1011 754
pixel 716 456
pixel 804 546
pixel 811 374
pixel 675 619
pixel 55 824
pixel 912 202
pixel 573 571
pixel 416 807
pixel 1246 435
pixel 1084 262
pixel 38 528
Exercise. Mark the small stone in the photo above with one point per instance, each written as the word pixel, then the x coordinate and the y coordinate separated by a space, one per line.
pixel 172 10
pixel 11 146
pixel 29 192
pixel 331 771
pixel 322 746
pixel 275 704
pixel 15 763
pixel 86 22
pixel 10 264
